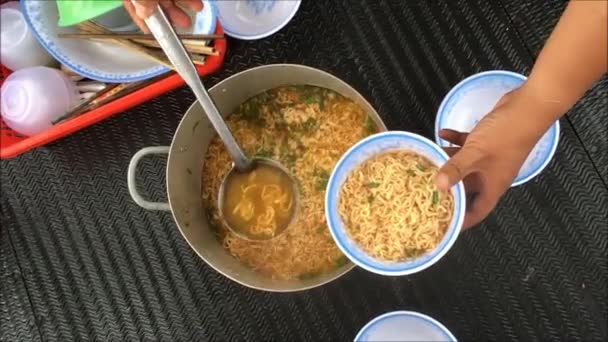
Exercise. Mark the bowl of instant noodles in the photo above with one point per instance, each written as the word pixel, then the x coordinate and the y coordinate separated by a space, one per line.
pixel 383 209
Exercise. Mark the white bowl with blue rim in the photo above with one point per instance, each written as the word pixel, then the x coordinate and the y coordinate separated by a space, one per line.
pixel 404 326
pixel 100 61
pixel 474 97
pixel 255 19
pixel 365 149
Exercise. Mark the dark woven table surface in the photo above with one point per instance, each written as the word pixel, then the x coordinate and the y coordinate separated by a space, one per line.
pixel 80 261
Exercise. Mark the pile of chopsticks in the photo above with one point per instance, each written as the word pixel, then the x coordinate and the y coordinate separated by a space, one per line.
pixel 145 44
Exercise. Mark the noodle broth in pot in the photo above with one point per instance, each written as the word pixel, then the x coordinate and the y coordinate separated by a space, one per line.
pixel 188 154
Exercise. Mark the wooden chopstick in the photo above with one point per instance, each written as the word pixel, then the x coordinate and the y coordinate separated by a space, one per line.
pixel 110 93
pixel 86 103
pixel 192 48
pixel 95 28
pixel 136 36
pixel 196 48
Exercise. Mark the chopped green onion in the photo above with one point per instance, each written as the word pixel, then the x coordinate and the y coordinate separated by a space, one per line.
pixel 435 198
pixel 341 261
pixel 372 185
pixel 322 177
pixel 308 275
pixel 310 125
pixel 370 126
pixel 264 152
pixel 322 227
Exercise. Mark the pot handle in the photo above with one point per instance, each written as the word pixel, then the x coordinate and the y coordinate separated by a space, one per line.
pixel 132 184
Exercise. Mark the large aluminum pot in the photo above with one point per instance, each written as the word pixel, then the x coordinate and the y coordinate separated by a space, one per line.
pixel 185 162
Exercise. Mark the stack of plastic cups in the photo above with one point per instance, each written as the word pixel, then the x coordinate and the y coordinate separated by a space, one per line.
pixel 19 48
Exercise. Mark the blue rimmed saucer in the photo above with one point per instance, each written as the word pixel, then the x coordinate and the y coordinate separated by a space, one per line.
pixel 100 61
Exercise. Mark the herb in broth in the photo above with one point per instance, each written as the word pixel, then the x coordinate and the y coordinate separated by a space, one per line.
pixel 322 183
pixel 421 167
pixel 322 228
pixel 312 95
pixel 310 125
pixel 370 126
pixel 291 159
pixel 279 119
pixel 321 178
pixel 413 252
pixel 372 185
pixel 309 275
pixel 264 152
pixel 286 156
pixel 315 98
pixel 300 187
pixel 341 261
pixel 251 110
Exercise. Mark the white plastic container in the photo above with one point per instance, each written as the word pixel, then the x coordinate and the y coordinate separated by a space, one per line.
pixel 19 48
pixel 30 99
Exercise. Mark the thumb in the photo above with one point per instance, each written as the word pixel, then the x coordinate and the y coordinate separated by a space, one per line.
pixel 144 9
pixel 458 167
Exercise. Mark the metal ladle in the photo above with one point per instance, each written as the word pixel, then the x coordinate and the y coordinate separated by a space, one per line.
pixel 174 49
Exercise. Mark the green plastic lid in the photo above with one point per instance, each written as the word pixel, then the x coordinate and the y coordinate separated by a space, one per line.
pixel 72 12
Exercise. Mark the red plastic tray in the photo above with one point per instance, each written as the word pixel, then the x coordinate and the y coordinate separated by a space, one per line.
pixel 13 144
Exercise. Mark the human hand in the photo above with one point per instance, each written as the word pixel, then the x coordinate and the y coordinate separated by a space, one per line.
pixel 490 156
pixel 139 10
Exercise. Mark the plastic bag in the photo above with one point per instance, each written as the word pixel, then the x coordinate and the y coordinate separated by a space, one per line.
pixel 72 12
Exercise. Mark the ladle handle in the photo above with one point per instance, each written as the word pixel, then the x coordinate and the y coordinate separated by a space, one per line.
pixel 174 49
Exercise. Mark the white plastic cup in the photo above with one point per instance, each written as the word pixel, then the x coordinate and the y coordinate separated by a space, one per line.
pixel 19 48
pixel 30 99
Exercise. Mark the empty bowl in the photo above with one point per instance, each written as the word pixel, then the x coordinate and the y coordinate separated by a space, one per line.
pixel 101 61
pixel 474 97
pixel 404 326
pixel 255 19
pixel 369 147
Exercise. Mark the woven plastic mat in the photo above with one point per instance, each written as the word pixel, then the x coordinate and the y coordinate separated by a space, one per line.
pixel 91 265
